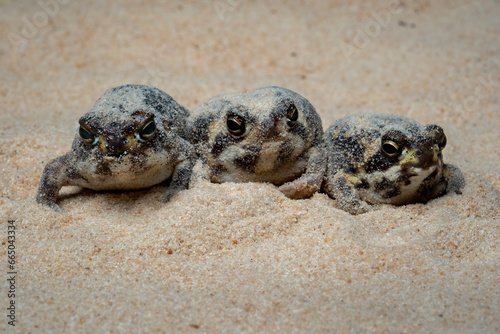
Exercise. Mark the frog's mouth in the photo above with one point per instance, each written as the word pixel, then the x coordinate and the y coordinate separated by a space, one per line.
pixel 123 156
pixel 113 158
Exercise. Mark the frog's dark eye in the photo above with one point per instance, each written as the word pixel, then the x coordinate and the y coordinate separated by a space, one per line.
pixel 235 125
pixel 292 114
pixel 443 142
pixel 436 132
pixel 85 134
pixel 390 149
pixel 148 129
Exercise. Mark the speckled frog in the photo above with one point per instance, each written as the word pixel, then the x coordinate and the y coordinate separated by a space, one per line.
pixel 132 138
pixel 267 135
pixel 386 159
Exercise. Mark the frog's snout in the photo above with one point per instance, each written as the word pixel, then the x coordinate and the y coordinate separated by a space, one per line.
pixel 273 128
pixel 115 145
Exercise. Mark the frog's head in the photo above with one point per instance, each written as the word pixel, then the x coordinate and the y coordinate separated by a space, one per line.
pixel 261 130
pixel 417 148
pixel 129 120
pixel 407 161
pixel 116 138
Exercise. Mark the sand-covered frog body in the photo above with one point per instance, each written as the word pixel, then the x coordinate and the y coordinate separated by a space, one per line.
pixel 267 135
pixel 386 159
pixel 132 138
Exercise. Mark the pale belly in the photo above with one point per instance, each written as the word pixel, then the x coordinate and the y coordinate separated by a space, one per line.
pixel 279 175
pixel 124 175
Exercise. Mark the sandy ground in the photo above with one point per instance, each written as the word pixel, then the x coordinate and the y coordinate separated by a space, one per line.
pixel 242 257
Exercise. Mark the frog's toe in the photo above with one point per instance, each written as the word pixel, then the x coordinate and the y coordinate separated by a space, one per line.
pixel 45 202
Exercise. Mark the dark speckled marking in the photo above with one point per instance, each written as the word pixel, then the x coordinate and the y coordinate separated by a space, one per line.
pixel 378 163
pixel 432 175
pixel 349 145
pixel 341 183
pixel 428 182
pixel 389 187
pixel 271 132
pixel 363 185
pixel 248 160
pixel 222 141
pixel 102 168
pixel 350 169
pixel 157 101
pixel 384 184
pixel 139 164
pixel 218 169
pixel 300 130
pixel 73 173
pixel 405 176
pixel 199 131
pixel 285 151
pixel 281 108
pixel 392 193
pixel 114 89
pixel 182 178
pixel 346 192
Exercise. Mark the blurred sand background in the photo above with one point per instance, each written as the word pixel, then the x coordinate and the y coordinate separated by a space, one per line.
pixel 242 257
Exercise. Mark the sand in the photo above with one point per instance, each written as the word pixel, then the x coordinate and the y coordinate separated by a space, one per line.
pixel 242 257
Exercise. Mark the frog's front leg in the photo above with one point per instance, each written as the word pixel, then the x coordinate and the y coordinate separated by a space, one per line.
pixel 182 171
pixel 201 171
pixel 56 174
pixel 455 180
pixel 309 182
pixel 451 180
pixel 344 192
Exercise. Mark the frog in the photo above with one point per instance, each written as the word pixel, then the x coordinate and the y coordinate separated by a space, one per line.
pixel 377 158
pixel 270 135
pixel 133 137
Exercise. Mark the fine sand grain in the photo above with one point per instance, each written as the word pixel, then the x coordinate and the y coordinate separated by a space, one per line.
pixel 243 257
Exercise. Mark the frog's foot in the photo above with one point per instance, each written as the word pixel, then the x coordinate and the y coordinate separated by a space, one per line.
pixel 303 187
pixel 55 175
pixel 454 178
pixel 48 202
pixel 346 196
pixel 200 173
pixel 180 179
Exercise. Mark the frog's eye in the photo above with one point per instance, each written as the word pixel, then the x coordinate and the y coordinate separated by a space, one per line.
pixel 436 132
pixel 390 149
pixel 85 134
pixel 292 114
pixel 235 125
pixel 148 129
pixel 443 142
